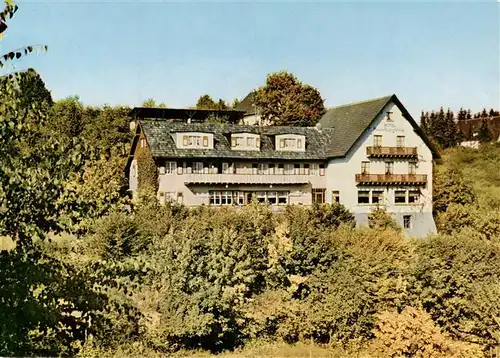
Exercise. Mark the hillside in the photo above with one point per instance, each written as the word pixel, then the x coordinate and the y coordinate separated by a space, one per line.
pixel 480 167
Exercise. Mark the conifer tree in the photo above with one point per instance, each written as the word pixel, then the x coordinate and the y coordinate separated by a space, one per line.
pixel 468 115
pixel 484 114
pixel 484 134
pixel 461 114
pixel 424 118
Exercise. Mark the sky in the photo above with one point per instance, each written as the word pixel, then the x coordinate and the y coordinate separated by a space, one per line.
pixel 430 54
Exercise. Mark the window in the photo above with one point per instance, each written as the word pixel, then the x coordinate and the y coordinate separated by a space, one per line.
pixel 225 168
pixel 363 197
pixel 282 197
pixel 197 167
pixel 280 169
pixel 282 143
pixel 170 167
pixel 412 168
pixel 162 170
pixel 289 168
pixel 289 142
pixel 215 197
pixel 400 197
pixel 335 196
pixel 314 169
pixel 377 140
pixel 365 167
pixel 263 169
pixel 322 169
pixel 389 167
pixel 297 169
pixel 250 142
pixel 261 196
pixel 239 197
pixel 400 141
pixel 407 221
pixel 299 143
pixel 318 196
pixel 272 197
pixel 306 169
pixel 271 169
pixel 143 143
pixel 195 141
pixel 377 196
pixel 226 198
pixel 413 197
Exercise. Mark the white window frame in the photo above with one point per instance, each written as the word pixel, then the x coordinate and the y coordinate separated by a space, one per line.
pixel 170 167
pixel 198 167
pixel 377 140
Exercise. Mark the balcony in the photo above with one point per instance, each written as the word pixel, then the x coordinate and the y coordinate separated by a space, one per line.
pixel 246 179
pixel 392 179
pixel 392 152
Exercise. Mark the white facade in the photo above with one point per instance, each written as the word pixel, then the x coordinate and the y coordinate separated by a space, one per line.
pixel 341 174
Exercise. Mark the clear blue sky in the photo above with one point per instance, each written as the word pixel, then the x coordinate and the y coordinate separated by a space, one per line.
pixel 429 54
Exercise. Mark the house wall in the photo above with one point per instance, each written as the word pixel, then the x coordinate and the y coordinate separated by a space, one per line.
pixel 198 194
pixel 340 174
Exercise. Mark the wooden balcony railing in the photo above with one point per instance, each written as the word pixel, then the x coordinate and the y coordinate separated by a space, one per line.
pixel 246 179
pixel 392 179
pixel 392 152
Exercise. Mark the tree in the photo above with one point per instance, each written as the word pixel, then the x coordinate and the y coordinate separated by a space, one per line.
pixel 284 100
pixel 206 102
pixel 151 103
pixel 468 116
pixel 7 14
pixel 424 122
pixel 484 114
pixel 483 134
pixel 462 114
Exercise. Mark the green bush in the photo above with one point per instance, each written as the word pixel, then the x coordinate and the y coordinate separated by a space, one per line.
pixel 412 333
pixel 381 219
pixel 453 278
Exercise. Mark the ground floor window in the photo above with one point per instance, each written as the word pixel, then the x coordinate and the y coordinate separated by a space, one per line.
pixel 245 197
pixel 335 196
pixel 363 197
pixel 318 196
pixel 400 197
pixel 413 197
pixel 407 221
pixel 377 196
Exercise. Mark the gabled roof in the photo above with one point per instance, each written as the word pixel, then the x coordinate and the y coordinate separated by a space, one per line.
pixel 160 137
pixel 247 105
pixel 350 121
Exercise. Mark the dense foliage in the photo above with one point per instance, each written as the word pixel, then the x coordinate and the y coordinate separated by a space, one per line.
pixel 285 101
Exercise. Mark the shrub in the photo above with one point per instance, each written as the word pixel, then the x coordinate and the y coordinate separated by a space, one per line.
pixel 381 219
pixel 453 278
pixel 412 333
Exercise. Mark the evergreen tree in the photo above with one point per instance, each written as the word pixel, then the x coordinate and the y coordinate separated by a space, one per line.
pixel 492 113
pixel 468 114
pixel 484 134
pixel 461 114
pixel 440 129
pixel 424 117
pixel 484 114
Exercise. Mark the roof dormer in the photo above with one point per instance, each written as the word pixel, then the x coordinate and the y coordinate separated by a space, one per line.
pixel 245 141
pixel 291 142
pixel 194 140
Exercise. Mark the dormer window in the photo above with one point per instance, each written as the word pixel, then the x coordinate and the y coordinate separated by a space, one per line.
pixel 292 142
pixel 194 140
pixel 245 141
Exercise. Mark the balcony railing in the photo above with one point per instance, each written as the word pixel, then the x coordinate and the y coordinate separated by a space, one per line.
pixel 246 179
pixel 394 179
pixel 392 152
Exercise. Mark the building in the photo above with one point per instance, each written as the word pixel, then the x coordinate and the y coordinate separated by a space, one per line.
pixel 364 155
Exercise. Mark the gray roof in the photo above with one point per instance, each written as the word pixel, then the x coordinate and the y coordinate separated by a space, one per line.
pixel 159 134
pixel 339 129
pixel 351 120
pixel 247 105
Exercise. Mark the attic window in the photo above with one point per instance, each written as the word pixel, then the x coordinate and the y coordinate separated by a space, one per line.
pixel 245 141
pixel 195 141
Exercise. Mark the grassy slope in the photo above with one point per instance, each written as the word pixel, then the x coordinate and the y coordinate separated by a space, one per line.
pixel 481 167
